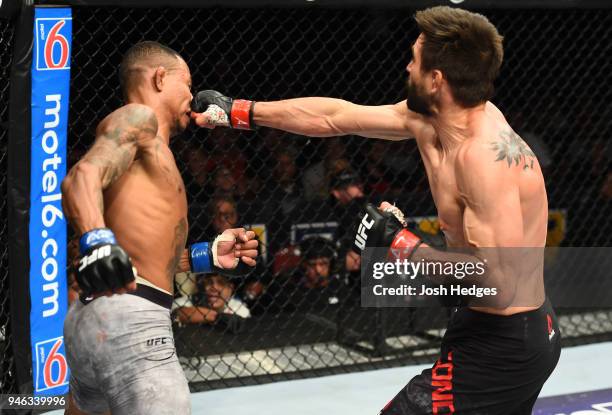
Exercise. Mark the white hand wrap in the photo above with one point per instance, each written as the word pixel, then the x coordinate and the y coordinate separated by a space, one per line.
pixel 217 116
pixel 224 237
pixel 398 214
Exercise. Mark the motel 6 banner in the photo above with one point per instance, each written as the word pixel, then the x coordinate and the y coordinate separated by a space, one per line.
pixel 47 231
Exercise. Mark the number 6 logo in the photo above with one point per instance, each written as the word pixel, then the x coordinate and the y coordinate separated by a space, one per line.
pixel 60 360
pixel 54 38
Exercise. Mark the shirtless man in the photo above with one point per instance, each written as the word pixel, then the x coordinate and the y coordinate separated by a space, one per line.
pixel 126 200
pixel 489 192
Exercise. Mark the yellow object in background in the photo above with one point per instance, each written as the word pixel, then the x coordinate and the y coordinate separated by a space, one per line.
pixel 557 219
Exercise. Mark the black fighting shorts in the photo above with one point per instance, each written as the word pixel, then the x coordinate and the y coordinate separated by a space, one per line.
pixel 489 365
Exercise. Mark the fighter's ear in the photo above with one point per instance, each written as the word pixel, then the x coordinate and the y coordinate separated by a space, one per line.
pixel 437 77
pixel 159 78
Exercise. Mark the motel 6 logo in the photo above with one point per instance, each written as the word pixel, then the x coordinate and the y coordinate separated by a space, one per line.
pixel 52 368
pixel 53 48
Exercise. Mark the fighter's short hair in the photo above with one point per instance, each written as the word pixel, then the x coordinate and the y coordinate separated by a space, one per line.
pixel 147 54
pixel 466 47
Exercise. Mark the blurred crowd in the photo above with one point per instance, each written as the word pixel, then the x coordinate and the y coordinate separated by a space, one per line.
pixel 303 197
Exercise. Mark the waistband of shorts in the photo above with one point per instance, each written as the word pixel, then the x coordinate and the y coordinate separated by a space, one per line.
pixel 498 320
pixel 158 297
pixel 155 296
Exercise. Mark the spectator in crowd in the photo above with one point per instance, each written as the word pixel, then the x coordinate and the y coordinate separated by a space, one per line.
pixel 318 255
pixel 346 187
pixel 376 172
pixel 224 182
pixel 226 152
pixel 185 286
pixel 285 189
pixel 347 190
pixel 230 174
pixel 280 197
pixel 282 191
pixel 223 214
pixel 315 176
pixel 313 285
pixel 196 176
pixel 264 148
pixel 196 181
pixel 208 163
pixel 587 216
pixel 213 302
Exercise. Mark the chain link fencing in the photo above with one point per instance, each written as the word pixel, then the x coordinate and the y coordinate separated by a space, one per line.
pixel 7 364
pixel 298 313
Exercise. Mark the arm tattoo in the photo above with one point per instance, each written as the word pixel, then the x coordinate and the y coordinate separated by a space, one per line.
pixel 180 236
pixel 511 147
pixel 117 144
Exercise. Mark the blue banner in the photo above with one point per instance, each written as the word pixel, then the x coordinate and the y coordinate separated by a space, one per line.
pixel 48 285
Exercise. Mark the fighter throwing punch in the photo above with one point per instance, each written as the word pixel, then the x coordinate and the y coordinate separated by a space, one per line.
pixel 489 192
pixel 127 200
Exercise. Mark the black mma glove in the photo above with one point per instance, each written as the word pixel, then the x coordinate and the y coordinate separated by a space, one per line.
pixel 388 229
pixel 224 111
pixel 385 229
pixel 104 265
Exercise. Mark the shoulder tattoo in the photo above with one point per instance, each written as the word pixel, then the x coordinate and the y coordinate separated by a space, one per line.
pixel 510 146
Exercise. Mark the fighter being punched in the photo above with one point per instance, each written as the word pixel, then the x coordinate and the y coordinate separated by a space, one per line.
pixel 127 200
pixel 489 192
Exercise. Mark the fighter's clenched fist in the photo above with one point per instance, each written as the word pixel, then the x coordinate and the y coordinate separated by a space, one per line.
pixel 104 267
pixel 211 109
pixel 234 252
pixel 385 227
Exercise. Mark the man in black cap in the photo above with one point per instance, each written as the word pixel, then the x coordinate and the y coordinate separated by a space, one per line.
pixel 347 190
pixel 312 286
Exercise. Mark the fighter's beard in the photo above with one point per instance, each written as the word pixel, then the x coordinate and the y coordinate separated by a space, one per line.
pixel 417 102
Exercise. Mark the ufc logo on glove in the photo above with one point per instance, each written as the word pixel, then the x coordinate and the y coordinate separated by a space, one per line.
pixel 362 237
pixel 98 253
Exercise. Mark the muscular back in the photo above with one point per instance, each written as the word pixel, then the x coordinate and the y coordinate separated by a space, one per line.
pixel 489 192
pixel 490 178
pixel 147 210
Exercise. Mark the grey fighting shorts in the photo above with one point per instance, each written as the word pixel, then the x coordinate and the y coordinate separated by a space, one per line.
pixel 121 355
